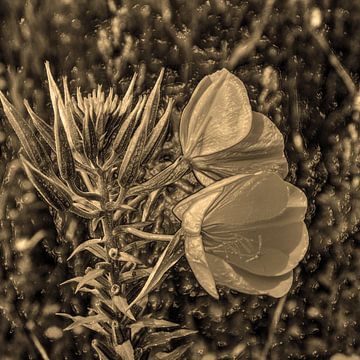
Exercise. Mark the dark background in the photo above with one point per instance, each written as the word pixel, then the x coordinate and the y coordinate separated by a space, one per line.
pixel 293 73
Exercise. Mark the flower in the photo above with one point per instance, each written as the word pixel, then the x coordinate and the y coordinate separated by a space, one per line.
pixel 245 232
pixel 221 136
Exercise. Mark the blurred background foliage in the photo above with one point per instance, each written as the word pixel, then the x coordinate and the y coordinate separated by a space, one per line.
pixel 290 55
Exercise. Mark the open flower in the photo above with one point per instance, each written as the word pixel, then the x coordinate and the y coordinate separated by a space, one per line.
pixel 245 232
pixel 221 136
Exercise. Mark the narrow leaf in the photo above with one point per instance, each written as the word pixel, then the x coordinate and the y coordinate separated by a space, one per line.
pixel 53 192
pixel 71 129
pixel 123 256
pixel 125 350
pixel 132 159
pixel 122 305
pixel 128 97
pixel 122 137
pixel 26 135
pixel 89 138
pixel 82 320
pixel 42 127
pixel 150 323
pixel 77 279
pixel 167 259
pixel 158 134
pixel 152 103
pixel 91 275
pixel 163 337
pixel 64 155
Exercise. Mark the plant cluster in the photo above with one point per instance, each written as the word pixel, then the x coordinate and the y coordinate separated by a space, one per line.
pixel 243 230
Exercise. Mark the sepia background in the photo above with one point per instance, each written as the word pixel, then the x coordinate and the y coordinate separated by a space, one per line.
pixel 300 62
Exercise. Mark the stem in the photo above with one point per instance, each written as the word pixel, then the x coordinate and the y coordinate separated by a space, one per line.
pixel 272 330
pixel 147 236
pixel 169 175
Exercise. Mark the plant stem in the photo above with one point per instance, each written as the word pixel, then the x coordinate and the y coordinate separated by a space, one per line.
pixel 146 235
pixel 272 330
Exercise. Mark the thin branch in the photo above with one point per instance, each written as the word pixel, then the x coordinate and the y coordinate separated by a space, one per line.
pixel 272 330
pixel 244 49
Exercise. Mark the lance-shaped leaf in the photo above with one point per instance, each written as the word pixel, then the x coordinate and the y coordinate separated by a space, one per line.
pixel 176 354
pixel 84 246
pixel 125 350
pixel 122 137
pixel 122 305
pixel 150 323
pixel 26 135
pixel 129 168
pixel 42 127
pixel 64 156
pixel 128 97
pixel 53 192
pixel 103 350
pixel 67 118
pixel 158 134
pixel 90 275
pixel 86 321
pixel 89 138
pixel 77 279
pixel 163 337
pixel 167 259
pixel 152 103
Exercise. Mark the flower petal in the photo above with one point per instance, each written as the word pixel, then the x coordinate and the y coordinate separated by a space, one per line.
pixel 217 117
pixel 261 150
pixel 184 204
pixel 250 199
pixel 245 282
pixel 195 254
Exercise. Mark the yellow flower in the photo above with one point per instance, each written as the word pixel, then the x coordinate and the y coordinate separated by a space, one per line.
pixel 220 136
pixel 245 232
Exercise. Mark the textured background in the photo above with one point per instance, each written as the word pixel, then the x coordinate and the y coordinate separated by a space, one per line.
pixel 290 76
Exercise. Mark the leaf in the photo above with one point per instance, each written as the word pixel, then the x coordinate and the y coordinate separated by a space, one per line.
pixel 167 259
pixel 64 155
pixel 125 350
pixel 150 323
pixel 158 134
pixel 163 337
pixel 103 350
pixel 42 127
pixel 121 138
pixel 89 245
pixel 77 279
pixel 71 129
pixel 26 135
pixel 152 103
pixel 51 190
pixel 176 354
pixel 122 305
pixel 91 275
pixel 128 97
pixel 89 138
pixel 132 159
pixel 86 321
